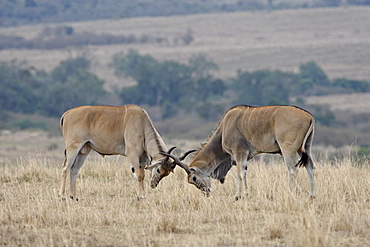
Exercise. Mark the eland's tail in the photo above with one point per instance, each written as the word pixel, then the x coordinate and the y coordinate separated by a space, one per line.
pixel 306 148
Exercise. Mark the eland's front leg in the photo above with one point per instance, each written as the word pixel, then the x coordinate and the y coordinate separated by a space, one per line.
pixel 241 176
pixel 139 174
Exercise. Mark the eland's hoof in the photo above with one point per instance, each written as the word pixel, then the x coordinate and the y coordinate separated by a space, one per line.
pixel 74 198
pixel 238 197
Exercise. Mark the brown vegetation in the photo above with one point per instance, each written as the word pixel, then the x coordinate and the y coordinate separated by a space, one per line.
pixel 177 214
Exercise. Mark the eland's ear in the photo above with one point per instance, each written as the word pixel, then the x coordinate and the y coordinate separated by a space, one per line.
pixel 151 166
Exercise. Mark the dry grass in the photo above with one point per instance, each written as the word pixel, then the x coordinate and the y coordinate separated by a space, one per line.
pixel 176 213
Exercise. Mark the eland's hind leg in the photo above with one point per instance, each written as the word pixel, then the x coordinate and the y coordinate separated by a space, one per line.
pixel 290 154
pixel 69 159
pixel 290 162
pixel 80 159
pixel 310 166
pixel 310 172
pixel 62 189
pixel 308 163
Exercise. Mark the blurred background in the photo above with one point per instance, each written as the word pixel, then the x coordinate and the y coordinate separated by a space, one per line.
pixel 187 62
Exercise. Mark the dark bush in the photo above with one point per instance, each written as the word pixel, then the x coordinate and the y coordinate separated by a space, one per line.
pixel 64 36
pixel 355 86
pixel 210 112
pixel 171 85
pixel 26 123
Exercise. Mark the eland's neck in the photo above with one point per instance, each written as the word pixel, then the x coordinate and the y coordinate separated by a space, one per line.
pixel 211 154
pixel 154 143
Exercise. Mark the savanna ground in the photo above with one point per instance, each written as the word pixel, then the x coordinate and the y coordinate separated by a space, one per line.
pixel 176 213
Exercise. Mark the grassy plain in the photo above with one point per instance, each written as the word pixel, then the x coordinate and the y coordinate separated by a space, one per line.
pixel 176 213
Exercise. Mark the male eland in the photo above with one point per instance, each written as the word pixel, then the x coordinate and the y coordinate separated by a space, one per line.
pixel 113 130
pixel 247 131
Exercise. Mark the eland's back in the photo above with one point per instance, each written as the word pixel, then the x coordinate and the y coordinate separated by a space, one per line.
pixel 267 128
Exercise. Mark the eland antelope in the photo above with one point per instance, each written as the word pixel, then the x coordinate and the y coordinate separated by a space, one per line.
pixel 246 131
pixel 109 130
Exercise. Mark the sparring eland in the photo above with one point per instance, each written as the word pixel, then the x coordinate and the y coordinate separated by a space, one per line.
pixel 247 131
pixel 113 130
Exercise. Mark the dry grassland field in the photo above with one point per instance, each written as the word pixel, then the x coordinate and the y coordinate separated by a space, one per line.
pixel 176 213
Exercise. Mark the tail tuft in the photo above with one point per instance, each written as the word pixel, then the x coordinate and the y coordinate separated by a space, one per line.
pixel 304 161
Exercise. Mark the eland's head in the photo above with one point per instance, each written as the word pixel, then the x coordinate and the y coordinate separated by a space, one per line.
pixel 200 180
pixel 164 167
pixel 195 176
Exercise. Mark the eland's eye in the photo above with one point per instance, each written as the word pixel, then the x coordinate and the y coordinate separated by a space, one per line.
pixel 158 170
pixel 194 178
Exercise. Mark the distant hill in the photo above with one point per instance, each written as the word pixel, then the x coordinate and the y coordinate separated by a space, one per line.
pixel 337 39
pixel 44 11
